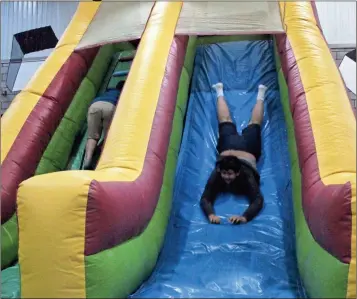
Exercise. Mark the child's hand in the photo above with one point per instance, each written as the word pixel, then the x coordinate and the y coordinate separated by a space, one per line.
pixel 214 219
pixel 237 219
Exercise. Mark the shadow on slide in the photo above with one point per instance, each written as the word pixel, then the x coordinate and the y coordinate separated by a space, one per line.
pixel 246 261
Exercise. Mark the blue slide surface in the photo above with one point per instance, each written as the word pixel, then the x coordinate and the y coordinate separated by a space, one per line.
pixel 254 260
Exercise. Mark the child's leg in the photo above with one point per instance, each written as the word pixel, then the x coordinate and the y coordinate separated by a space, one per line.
pixel 222 107
pixel 90 148
pixel 258 110
pixel 94 120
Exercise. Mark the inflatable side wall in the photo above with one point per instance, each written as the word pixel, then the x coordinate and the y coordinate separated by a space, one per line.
pixel 322 134
pixel 106 209
pixel 55 154
pixel 34 115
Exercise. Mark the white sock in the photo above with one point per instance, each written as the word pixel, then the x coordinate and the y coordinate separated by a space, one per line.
pixel 261 92
pixel 219 89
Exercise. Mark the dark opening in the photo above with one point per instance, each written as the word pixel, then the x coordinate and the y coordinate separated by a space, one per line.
pixel 26 42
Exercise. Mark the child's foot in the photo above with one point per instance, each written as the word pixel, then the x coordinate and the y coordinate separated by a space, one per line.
pixel 217 86
pixel 262 87
pixel 261 92
pixel 219 89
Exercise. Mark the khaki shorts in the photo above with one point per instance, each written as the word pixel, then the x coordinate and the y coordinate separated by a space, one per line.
pixel 99 118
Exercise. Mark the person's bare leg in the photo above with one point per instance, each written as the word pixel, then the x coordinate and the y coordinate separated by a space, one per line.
pixel 94 120
pixel 258 110
pixel 222 107
pixel 90 148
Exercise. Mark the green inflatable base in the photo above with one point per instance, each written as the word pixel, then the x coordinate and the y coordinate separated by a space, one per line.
pixel 10 282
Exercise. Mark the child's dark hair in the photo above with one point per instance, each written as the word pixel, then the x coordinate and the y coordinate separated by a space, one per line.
pixel 120 85
pixel 228 162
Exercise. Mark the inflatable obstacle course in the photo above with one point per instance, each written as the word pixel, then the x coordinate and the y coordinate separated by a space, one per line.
pixel 109 224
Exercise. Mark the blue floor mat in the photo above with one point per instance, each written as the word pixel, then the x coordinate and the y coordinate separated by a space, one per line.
pixel 255 260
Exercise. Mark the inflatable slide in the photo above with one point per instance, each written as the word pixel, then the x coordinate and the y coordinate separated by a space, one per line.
pixel 133 227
